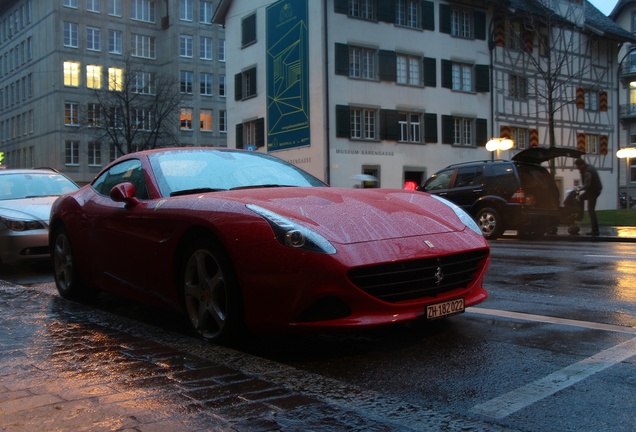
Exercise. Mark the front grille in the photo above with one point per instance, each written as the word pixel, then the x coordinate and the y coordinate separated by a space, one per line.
pixel 409 280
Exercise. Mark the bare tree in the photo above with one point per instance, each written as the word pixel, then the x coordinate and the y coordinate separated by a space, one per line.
pixel 137 110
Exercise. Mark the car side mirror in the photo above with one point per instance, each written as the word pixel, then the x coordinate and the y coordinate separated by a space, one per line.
pixel 124 192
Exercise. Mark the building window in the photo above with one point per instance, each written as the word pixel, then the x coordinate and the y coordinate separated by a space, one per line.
pixel 245 84
pixel 93 6
pixel 71 152
pixel 517 86
pixel 410 127
pixel 205 120
pixel 116 117
pixel 142 46
pixel 186 80
pixel 363 123
pixel 93 39
pixel 115 79
pixel 142 119
pixel 514 35
pixel 463 131
pixel 71 113
pixel 206 84
pixel 206 11
pixel 114 7
pixel 94 154
pixel 248 30
pixel 93 76
pixel 461 23
pixel 408 69
pixel 362 62
pixel 222 121
pixel 186 118
pixel 205 48
pixel 143 10
pixel 362 9
pixel 70 3
pixel 185 10
pixel 115 39
pixel 143 83
pixel 222 86
pixel 71 74
pixel 93 117
pixel 407 13
pixel 185 46
pixel 249 133
pixel 591 100
pixel 462 76
pixel 520 137
pixel 591 144
pixel 71 35
pixel 221 50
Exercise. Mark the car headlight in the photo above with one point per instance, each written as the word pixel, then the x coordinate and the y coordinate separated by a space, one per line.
pixel 464 217
pixel 292 234
pixel 21 225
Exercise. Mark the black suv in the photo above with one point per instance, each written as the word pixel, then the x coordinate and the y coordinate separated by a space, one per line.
pixel 505 195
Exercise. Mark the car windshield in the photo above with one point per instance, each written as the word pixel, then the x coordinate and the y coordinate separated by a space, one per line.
pixel 180 172
pixel 33 185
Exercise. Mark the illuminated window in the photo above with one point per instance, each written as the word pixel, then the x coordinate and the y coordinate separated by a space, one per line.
pixel 205 118
pixel 93 76
pixel 71 74
pixel 186 118
pixel 115 79
pixel 71 113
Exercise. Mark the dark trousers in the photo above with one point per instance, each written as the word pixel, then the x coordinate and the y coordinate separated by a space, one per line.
pixel 591 209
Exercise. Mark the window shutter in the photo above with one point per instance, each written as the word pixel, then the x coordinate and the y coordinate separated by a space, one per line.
pixel 238 87
pixel 239 136
pixel 388 66
pixel 341 6
pixel 428 15
pixel 444 19
pixel 481 132
pixel 447 74
pixel 248 29
pixel 480 25
pixel 343 127
pixel 430 72
pixel 580 142
pixel 534 138
pixel 482 78
pixel 389 125
pixel 342 59
pixel 580 98
pixel 430 128
pixel 603 101
pixel 386 11
pixel 604 144
pixel 260 132
pixel 447 129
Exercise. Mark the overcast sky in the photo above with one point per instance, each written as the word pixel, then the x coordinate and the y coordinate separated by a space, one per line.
pixel 604 6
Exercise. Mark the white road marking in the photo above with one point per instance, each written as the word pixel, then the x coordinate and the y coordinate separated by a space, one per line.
pixel 522 397
pixel 515 400
pixel 552 320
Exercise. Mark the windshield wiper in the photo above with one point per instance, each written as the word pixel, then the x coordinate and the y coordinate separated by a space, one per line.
pixel 261 186
pixel 195 191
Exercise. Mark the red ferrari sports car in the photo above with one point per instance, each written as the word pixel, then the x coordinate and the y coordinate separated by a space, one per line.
pixel 243 241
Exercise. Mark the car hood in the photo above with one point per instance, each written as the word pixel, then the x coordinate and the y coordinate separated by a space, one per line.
pixel 348 216
pixel 28 208
pixel 538 155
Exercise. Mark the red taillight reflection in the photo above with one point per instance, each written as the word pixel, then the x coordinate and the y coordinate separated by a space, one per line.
pixel 518 197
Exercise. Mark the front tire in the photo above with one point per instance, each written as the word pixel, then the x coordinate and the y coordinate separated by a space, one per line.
pixel 490 223
pixel 209 292
pixel 65 270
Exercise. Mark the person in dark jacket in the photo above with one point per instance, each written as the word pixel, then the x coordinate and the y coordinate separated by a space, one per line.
pixel 590 190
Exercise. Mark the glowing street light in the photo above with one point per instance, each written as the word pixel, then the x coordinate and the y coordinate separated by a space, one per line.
pixel 627 153
pixel 499 144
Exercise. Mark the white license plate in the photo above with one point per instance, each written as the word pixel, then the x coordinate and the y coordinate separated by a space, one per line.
pixel 446 308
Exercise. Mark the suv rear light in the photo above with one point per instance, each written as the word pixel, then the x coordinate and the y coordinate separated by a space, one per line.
pixel 518 197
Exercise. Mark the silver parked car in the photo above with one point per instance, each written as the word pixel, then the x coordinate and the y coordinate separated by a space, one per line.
pixel 26 196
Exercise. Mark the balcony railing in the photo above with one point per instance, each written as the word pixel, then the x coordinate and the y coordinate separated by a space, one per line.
pixel 627 111
pixel 628 67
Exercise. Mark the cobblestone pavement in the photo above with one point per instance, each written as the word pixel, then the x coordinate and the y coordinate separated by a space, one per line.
pixel 67 366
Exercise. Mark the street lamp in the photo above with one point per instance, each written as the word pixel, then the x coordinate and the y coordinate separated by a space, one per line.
pixel 627 153
pixel 499 144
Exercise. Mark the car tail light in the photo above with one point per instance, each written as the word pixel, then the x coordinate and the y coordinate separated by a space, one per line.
pixel 518 197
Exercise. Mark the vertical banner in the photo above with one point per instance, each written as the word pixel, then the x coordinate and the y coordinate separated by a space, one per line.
pixel 287 75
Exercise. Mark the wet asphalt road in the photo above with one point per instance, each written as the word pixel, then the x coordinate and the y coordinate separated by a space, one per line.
pixel 554 348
